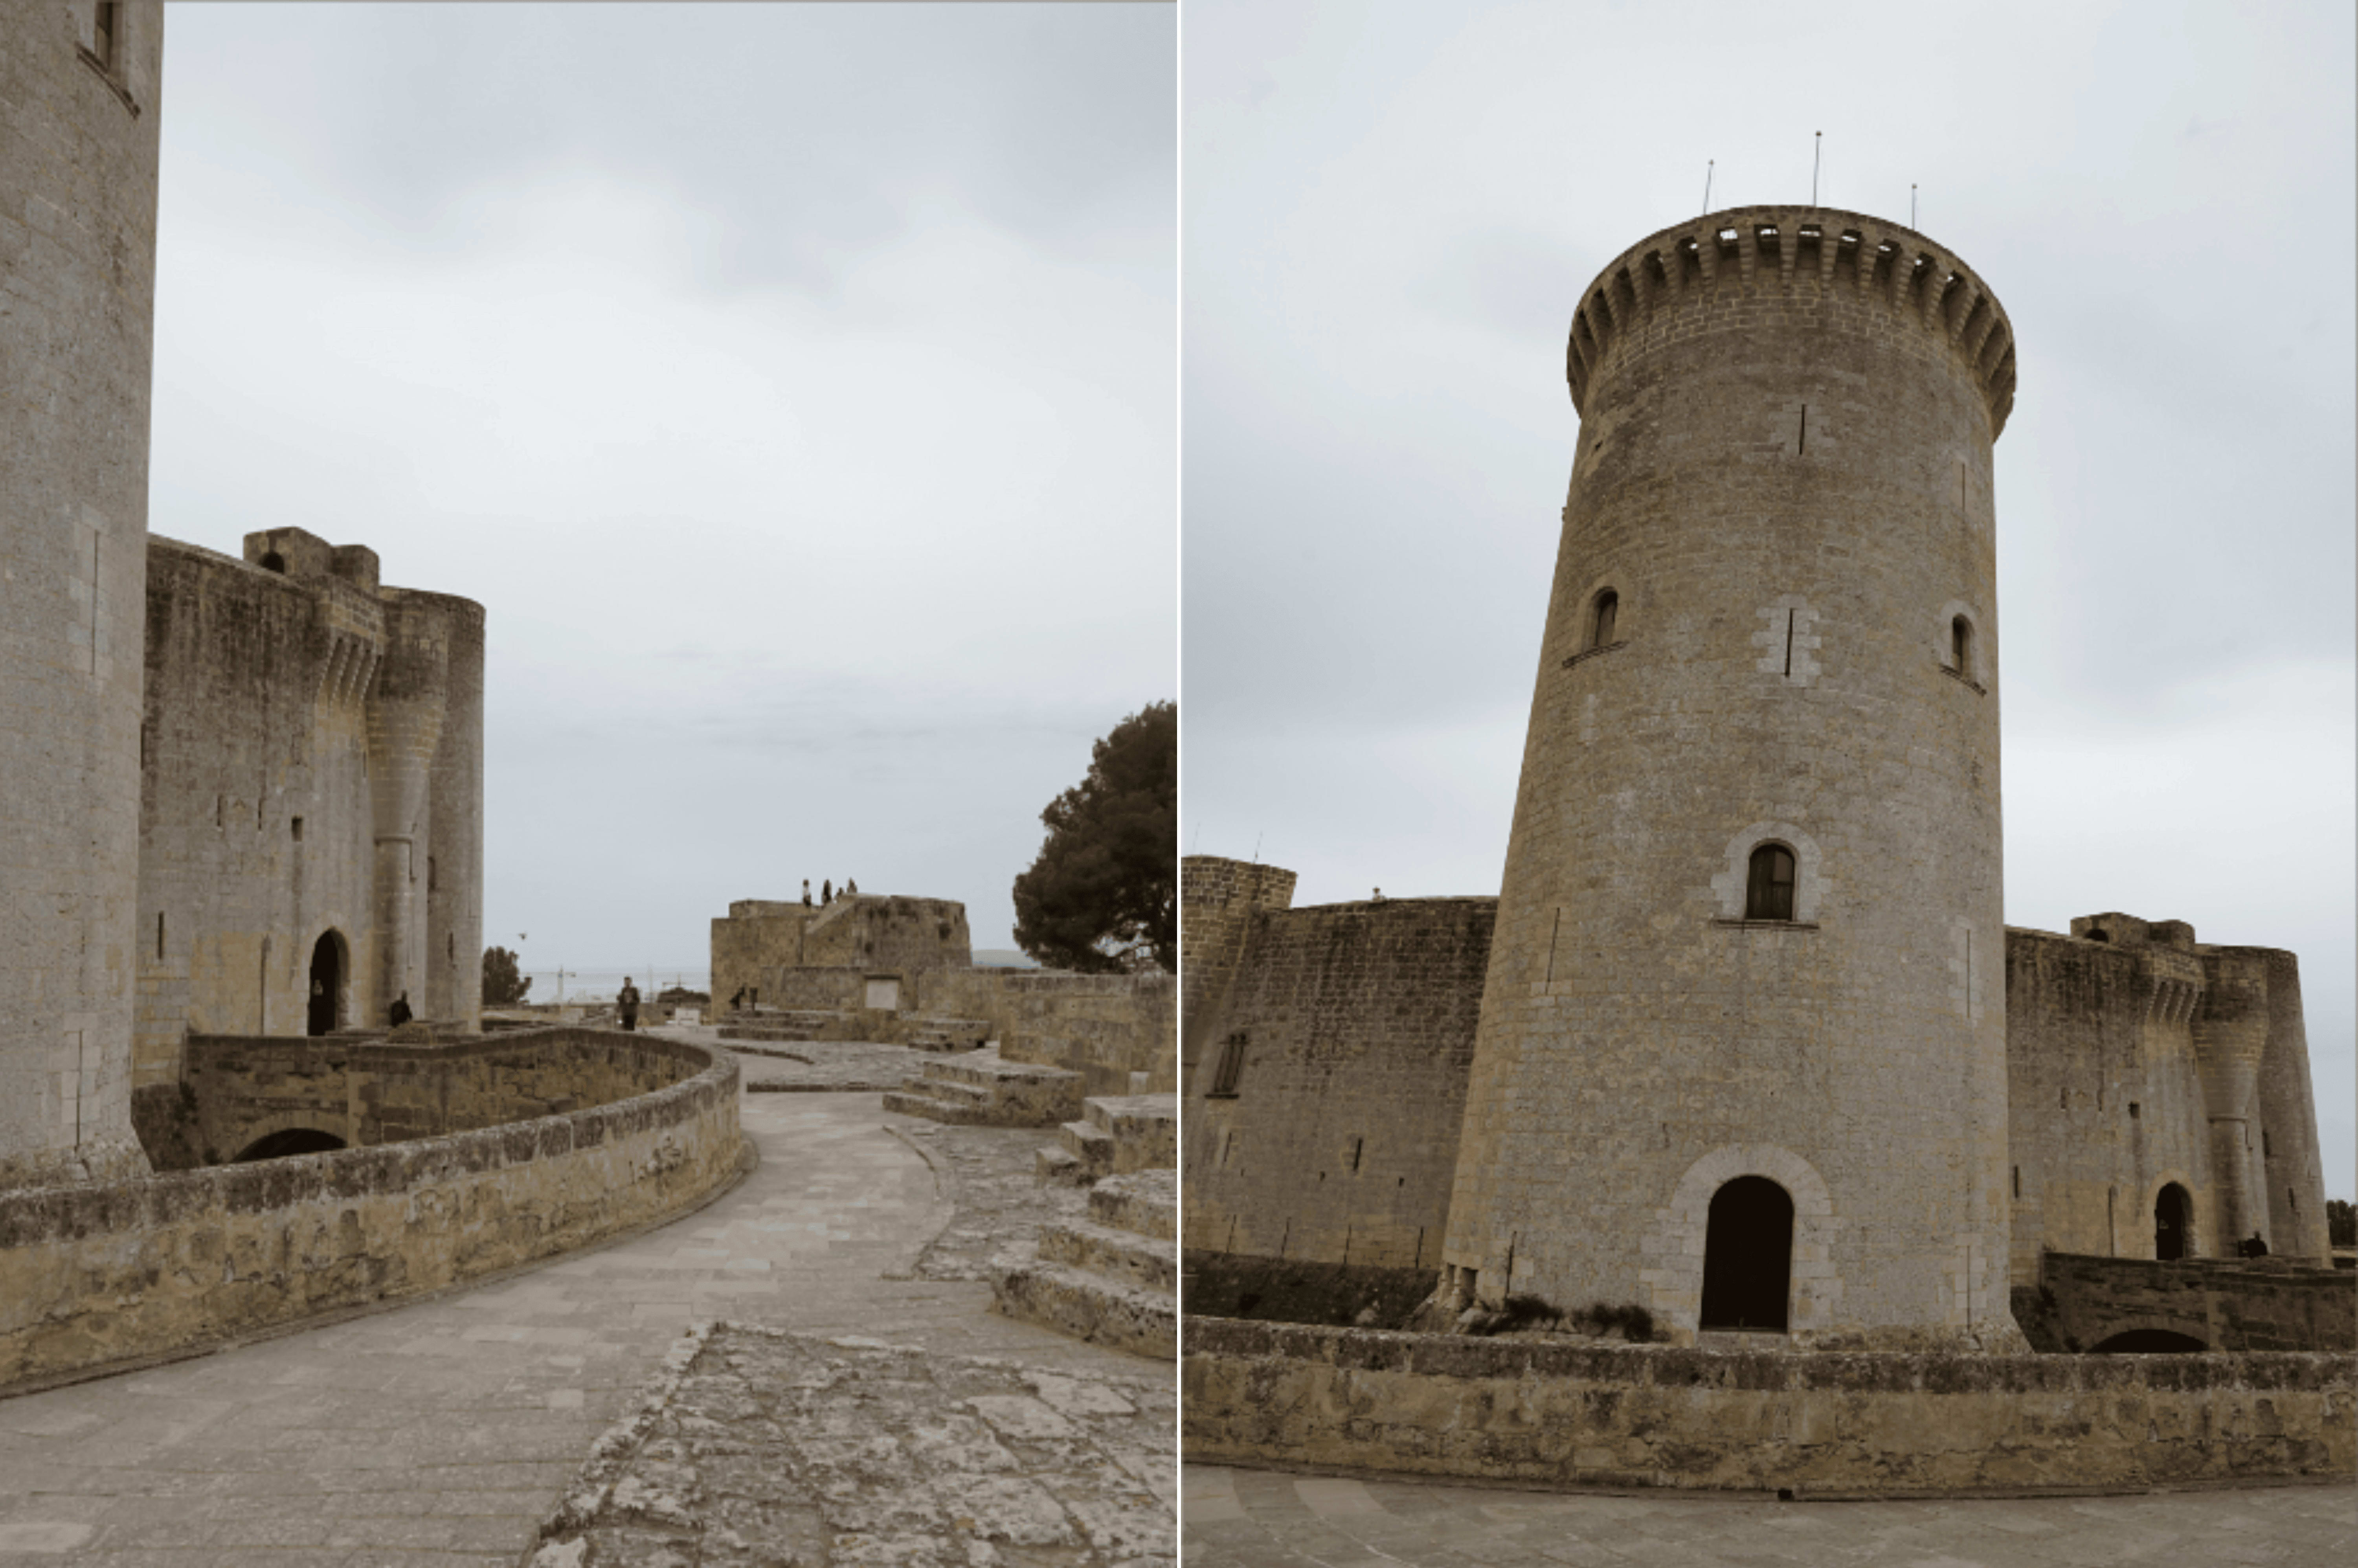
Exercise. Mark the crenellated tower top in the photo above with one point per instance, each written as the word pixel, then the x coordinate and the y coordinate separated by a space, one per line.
pixel 1678 279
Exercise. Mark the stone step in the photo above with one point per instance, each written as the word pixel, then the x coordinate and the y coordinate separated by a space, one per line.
pixel 1093 1147
pixel 951 1112
pixel 1059 1168
pixel 1145 1203
pixel 1085 1306
pixel 1134 1116
pixel 954 1092
pixel 1122 1255
pixel 981 1068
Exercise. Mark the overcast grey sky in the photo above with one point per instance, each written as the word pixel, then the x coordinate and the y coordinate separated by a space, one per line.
pixel 1391 211
pixel 794 386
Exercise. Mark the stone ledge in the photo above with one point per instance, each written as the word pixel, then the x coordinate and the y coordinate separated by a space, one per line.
pixel 1862 1424
pixel 120 1271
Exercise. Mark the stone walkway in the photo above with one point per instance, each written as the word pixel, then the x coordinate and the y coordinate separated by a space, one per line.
pixel 1258 1519
pixel 445 1433
pixel 767 1448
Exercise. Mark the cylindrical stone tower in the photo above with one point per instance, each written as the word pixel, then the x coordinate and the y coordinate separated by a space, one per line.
pixel 1742 1052
pixel 77 147
pixel 454 882
pixel 404 725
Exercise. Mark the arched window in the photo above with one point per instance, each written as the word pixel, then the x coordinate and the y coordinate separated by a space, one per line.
pixel 1961 646
pixel 271 561
pixel 2172 1217
pixel 1747 1256
pixel 1768 893
pixel 1608 610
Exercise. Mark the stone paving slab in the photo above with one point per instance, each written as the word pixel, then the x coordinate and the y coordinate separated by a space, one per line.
pixel 1000 1199
pixel 762 1447
pixel 1260 1518
pixel 444 1431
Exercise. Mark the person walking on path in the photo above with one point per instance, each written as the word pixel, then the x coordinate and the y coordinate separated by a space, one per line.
pixel 627 1000
pixel 806 892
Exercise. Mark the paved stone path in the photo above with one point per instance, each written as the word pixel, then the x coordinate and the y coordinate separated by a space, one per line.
pixel 1258 1519
pixel 445 1433
pixel 765 1448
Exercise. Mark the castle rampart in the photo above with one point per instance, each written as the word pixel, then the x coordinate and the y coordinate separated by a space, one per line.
pixel 1323 1115
pixel 78 164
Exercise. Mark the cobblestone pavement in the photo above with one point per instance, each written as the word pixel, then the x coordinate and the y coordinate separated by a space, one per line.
pixel 998 1199
pixel 446 1432
pixel 766 1449
pixel 1258 1519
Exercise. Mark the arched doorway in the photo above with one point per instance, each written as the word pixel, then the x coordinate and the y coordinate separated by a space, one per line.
pixel 1747 1256
pixel 289 1140
pixel 2150 1341
pixel 328 979
pixel 2173 1224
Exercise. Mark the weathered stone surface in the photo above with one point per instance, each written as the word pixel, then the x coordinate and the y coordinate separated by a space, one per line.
pixel 2268 1304
pixel 78 171
pixel 758 1446
pixel 1543 1411
pixel 96 1274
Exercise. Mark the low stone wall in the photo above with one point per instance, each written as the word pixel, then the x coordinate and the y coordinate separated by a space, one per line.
pixel 2233 1304
pixel 1584 1415
pixel 96 1275
pixel 371 1091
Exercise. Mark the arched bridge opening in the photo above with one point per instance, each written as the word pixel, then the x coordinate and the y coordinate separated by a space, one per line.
pixel 288 1141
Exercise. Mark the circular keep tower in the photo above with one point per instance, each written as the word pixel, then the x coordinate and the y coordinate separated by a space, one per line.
pixel 1742 1051
pixel 78 164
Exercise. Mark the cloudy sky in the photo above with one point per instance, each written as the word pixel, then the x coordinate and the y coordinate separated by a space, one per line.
pixel 1391 212
pixel 794 385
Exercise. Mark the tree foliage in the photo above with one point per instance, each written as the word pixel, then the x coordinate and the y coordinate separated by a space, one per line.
pixel 1104 894
pixel 503 984
pixel 2341 1223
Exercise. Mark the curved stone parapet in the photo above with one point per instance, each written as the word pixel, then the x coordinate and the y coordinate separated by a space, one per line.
pixel 1829 258
pixel 1872 1424
pixel 99 1276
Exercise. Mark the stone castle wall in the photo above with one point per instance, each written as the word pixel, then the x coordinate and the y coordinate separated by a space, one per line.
pixel 368 1092
pixel 1109 1027
pixel 104 1274
pixel 77 167
pixel 1357 1024
pixel 1572 1414
pixel 305 778
pixel 2221 1304
pixel 886 933
pixel 1219 896
pixel 1782 472
pixel 1350 1029
pixel 2114 1090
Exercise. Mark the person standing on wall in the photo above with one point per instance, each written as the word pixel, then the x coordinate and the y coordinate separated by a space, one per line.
pixel 626 1001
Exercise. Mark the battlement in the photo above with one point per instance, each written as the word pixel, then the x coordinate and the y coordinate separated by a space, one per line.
pixel 1789 251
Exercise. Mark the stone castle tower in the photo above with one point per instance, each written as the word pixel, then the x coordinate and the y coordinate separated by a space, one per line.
pixel 78 163
pixel 1746 983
